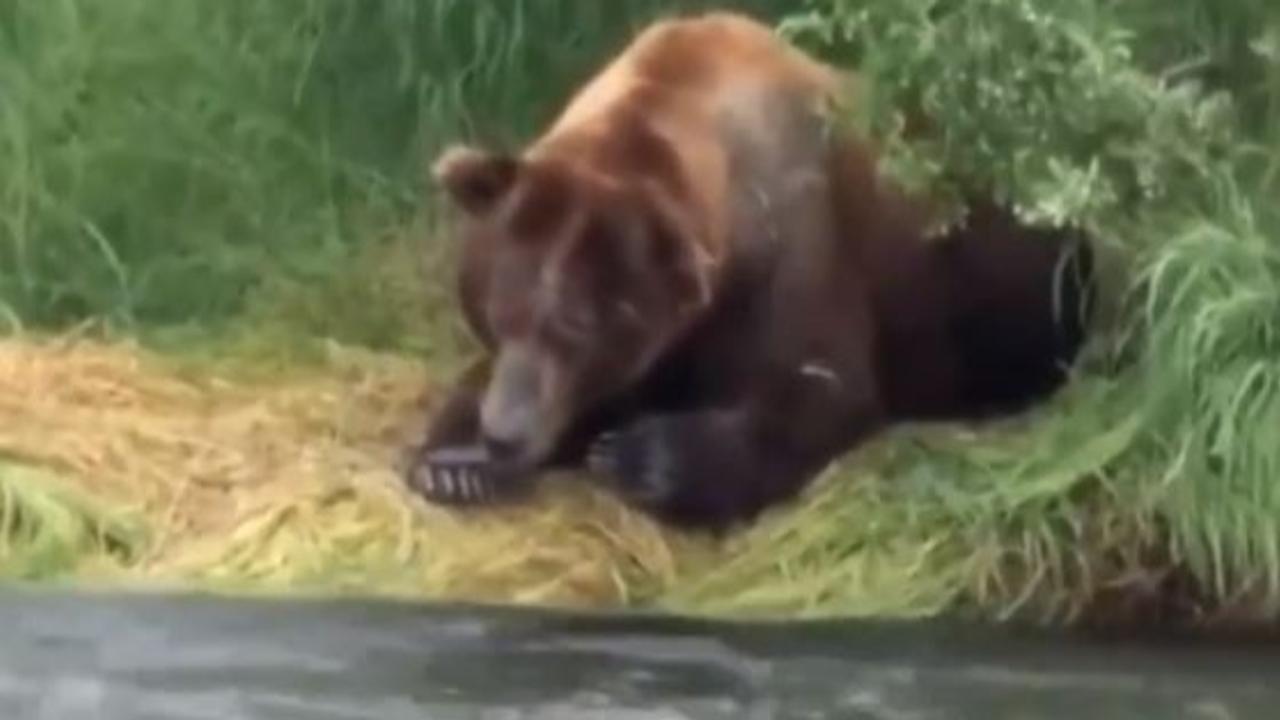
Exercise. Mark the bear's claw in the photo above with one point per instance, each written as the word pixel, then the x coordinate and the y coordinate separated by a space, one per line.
pixel 601 455
pixel 453 476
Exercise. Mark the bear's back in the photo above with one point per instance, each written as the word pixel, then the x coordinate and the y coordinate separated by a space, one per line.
pixel 736 105
pixel 709 62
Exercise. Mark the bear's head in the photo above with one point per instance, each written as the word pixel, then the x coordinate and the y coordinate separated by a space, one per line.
pixel 578 282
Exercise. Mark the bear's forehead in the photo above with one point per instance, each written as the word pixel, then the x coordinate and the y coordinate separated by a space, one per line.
pixel 543 203
pixel 559 227
pixel 583 255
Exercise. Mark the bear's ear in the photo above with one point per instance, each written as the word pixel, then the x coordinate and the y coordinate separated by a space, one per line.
pixel 475 179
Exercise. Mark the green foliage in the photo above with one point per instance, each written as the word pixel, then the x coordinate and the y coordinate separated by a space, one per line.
pixel 159 160
pixel 48 531
pixel 1042 102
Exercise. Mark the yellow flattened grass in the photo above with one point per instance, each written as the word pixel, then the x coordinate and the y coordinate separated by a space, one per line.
pixel 293 483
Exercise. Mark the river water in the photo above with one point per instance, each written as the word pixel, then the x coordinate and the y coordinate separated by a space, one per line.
pixel 113 657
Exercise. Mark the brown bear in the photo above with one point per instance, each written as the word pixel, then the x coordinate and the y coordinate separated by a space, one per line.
pixel 699 287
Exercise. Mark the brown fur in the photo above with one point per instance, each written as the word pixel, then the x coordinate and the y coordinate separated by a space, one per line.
pixel 696 276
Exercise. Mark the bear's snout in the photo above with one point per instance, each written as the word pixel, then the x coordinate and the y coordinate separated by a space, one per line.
pixel 518 415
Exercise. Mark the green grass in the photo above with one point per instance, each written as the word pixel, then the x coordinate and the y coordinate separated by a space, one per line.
pixel 49 532
pixel 158 163
pixel 251 175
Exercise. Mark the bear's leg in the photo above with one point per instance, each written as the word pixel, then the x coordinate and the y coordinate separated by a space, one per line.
pixel 714 467
pixel 458 421
pixel 813 392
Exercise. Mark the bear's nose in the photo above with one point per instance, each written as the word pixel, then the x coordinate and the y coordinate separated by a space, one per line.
pixel 513 407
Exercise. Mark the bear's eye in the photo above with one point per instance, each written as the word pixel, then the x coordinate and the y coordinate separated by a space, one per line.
pixel 576 324
pixel 628 312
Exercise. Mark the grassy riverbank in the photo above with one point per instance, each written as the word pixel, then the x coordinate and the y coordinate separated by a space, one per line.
pixel 227 304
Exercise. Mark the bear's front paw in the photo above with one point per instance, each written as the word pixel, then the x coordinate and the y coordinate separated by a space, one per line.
pixel 701 469
pixel 458 475
pixel 639 460
pixel 690 464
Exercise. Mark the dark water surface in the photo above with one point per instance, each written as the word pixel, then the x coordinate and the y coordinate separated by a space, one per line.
pixel 180 658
